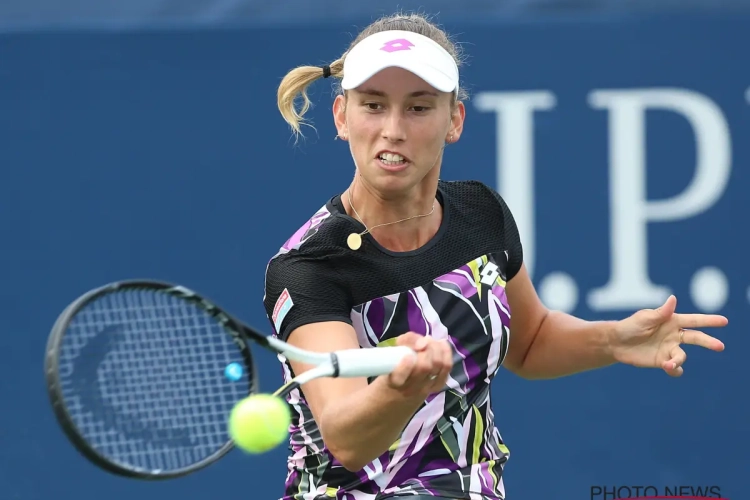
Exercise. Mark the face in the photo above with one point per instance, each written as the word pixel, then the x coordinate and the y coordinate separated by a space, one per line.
pixel 397 126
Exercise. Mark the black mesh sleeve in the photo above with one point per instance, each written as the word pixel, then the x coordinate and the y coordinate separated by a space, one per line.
pixel 512 237
pixel 301 290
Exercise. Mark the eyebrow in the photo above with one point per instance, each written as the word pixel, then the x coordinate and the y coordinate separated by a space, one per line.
pixel 379 93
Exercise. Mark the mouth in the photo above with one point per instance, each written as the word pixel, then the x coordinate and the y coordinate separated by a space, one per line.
pixel 392 161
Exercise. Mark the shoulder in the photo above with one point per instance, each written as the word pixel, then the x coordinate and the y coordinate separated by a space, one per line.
pixel 302 283
pixel 311 247
pixel 466 188
pixel 308 230
pixel 472 193
pixel 482 208
pixel 476 198
pixel 318 238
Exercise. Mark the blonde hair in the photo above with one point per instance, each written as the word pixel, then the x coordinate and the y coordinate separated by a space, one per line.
pixel 293 86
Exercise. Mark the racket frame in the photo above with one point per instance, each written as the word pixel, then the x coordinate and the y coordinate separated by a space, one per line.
pixel 54 389
pixel 342 363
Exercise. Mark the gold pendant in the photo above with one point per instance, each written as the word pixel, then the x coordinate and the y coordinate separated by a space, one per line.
pixel 354 241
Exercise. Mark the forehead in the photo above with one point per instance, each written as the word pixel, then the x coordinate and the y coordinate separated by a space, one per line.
pixel 397 82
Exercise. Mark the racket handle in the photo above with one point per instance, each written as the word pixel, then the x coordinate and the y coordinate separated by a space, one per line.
pixel 370 362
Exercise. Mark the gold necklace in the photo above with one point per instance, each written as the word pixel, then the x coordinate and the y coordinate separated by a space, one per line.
pixel 354 240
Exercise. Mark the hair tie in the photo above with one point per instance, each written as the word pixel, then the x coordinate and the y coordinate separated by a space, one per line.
pixel 326 71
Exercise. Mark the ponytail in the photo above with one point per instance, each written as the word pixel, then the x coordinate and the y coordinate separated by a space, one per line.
pixel 295 84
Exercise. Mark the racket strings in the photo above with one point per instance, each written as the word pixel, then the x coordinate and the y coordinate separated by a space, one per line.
pixel 142 376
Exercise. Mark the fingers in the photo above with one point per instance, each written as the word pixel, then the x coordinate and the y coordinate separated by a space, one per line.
pixel 673 367
pixel 423 368
pixel 667 309
pixel 412 340
pixel 442 363
pixel 694 337
pixel 415 367
pixel 398 377
pixel 675 373
pixel 701 320
pixel 426 372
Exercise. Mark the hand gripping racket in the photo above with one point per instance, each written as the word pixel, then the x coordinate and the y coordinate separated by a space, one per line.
pixel 142 376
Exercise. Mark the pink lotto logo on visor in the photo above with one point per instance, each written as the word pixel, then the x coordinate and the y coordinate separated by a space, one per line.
pixel 410 51
pixel 396 45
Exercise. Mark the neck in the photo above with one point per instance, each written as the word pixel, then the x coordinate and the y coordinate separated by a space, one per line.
pixel 373 208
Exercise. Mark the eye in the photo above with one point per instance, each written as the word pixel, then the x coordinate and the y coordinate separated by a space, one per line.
pixel 373 106
pixel 420 109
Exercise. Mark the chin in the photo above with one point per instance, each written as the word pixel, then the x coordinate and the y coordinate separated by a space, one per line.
pixel 392 184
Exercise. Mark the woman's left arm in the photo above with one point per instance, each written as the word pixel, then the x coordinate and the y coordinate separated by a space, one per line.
pixel 548 344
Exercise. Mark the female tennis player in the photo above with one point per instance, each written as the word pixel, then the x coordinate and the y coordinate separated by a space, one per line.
pixel 404 258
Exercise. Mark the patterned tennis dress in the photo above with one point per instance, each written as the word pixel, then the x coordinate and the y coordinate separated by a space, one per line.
pixel 452 288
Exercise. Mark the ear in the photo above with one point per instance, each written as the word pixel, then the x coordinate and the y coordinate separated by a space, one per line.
pixel 339 117
pixel 457 123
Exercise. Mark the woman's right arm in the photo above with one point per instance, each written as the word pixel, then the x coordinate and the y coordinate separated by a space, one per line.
pixel 360 421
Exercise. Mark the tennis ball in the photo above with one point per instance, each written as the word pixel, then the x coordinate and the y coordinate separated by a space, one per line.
pixel 259 423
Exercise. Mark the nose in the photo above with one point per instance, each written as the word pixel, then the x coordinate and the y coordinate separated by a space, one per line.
pixel 394 128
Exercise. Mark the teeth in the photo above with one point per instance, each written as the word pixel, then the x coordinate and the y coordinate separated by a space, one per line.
pixel 391 158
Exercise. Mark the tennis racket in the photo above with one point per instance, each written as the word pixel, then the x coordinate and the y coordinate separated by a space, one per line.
pixel 142 376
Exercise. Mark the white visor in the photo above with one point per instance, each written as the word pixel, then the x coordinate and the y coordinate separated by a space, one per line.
pixel 401 49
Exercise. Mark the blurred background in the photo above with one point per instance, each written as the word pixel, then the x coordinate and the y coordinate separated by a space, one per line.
pixel 141 139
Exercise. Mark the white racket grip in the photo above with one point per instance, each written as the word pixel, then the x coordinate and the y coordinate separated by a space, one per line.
pixel 370 362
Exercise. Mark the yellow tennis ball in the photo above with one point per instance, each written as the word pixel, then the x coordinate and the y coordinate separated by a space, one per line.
pixel 259 423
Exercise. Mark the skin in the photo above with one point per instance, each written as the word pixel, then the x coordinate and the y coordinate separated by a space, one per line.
pixel 398 112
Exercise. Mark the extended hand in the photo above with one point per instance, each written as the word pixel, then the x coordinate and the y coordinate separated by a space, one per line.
pixel 651 338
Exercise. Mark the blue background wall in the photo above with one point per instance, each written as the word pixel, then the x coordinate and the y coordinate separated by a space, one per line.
pixel 161 154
